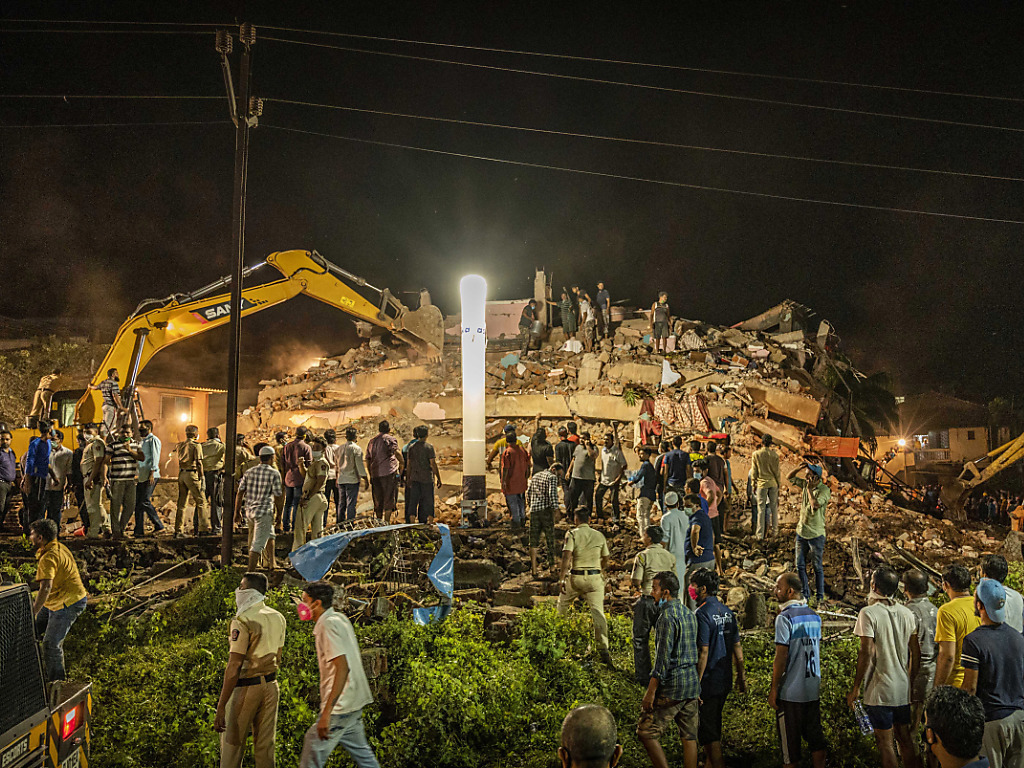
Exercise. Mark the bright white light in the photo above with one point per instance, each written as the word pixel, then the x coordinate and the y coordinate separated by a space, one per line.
pixel 183 418
pixel 473 289
pixel 901 443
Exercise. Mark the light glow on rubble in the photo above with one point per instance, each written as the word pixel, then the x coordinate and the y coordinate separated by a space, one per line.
pixel 473 290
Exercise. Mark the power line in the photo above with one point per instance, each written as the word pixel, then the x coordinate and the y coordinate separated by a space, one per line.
pixel 120 125
pixel 665 89
pixel 123 23
pixel 646 142
pixel 662 182
pixel 110 31
pixel 66 96
pixel 676 67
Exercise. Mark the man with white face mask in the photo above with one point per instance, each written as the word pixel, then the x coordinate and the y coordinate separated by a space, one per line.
pixel 249 695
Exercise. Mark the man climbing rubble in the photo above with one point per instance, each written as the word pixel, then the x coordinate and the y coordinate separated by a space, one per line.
pixel 42 398
pixel 810 529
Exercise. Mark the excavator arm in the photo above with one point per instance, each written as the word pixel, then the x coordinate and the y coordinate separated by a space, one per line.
pixel 979 471
pixel 181 317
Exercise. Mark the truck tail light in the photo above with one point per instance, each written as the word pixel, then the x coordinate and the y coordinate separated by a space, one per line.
pixel 70 723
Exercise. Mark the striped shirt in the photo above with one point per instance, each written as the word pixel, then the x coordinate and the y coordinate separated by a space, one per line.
pixel 259 486
pixel 123 465
pixel 543 491
pixel 109 388
pixel 675 643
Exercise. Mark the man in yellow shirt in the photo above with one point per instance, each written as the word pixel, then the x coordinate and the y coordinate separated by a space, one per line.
pixel 61 597
pixel 954 622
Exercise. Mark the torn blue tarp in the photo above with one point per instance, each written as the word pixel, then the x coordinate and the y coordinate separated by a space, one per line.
pixel 427 615
pixel 314 559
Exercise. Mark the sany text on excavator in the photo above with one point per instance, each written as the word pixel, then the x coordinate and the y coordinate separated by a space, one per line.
pixel 158 323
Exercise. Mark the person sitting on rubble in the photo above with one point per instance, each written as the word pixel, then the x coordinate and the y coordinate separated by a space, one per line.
pixel 589 738
pixel 661 320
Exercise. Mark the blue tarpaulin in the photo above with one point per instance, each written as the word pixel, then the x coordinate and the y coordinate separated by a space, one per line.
pixel 314 559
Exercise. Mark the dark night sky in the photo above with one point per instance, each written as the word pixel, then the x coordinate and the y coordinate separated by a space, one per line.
pixel 93 220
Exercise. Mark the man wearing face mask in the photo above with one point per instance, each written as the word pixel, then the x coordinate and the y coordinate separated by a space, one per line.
pixel 112 404
pixel 652 560
pixel 954 728
pixel 249 694
pixel 344 689
pixel 258 489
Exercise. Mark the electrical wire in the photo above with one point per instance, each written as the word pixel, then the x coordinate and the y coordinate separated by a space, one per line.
pixel 664 89
pixel 645 142
pixel 119 125
pixel 110 31
pixel 123 23
pixel 677 67
pixel 66 96
pixel 661 182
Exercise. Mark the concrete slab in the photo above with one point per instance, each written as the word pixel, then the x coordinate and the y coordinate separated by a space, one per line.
pixel 786 404
pixel 641 373
pixel 605 407
pixel 528 406
pixel 790 436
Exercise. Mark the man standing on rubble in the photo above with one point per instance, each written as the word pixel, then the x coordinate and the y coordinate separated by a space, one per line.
pixel 766 478
pixel 583 473
pixel 604 307
pixel 60 473
pixel 309 517
pixel 190 481
pixel 384 461
pixel 526 321
pixel 281 440
pixel 351 470
pixel 249 694
pixel 810 529
pixel 112 404
pixel 514 471
pixel 915 585
pixel 588 321
pixel 613 471
pixel 542 498
pixel 35 473
pixel 890 652
pixel 94 474
pixel 542 453
pixel 651 561
pixel 149 473
pixel 661 321
pixel 996 568
pixel 42 398
pixel 584 559
pixel 123 456
pixel 699 546
pixel 954 621
pixel 213 474
pixel 796 675
pixel 298 449
pixel 993 659
pixel 422 475
pixel 563 455
pixel 259 487
pixel 8 473
pixel 675 467
pixel 675 527
pixel 646 478
pixel 331 451
pixel 568 313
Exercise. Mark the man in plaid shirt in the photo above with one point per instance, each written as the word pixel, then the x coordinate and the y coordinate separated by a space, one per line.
pixel 542 499
pixel 259 487
pixel 674 690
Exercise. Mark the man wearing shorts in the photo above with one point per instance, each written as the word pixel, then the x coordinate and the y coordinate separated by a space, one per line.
pixel 542 499
pixel 660 322
pixel 889 657
pixel 674 688
pixel 259 487
pixel 796 674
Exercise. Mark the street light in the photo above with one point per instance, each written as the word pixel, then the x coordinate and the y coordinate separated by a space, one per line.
pixel 473 290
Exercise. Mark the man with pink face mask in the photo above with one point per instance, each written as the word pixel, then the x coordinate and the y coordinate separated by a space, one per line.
pixel 249 695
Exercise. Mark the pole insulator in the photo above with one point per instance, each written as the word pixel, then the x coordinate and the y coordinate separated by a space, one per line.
pixel 247 34
pixel 255 107
pixel 224 42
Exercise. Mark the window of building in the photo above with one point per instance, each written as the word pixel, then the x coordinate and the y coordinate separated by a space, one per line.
pixel 970 434
pixel 174 408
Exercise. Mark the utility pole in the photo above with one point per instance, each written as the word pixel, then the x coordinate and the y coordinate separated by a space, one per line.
pixel 244 114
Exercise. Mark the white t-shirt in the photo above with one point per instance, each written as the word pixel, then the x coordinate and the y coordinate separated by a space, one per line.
pixel 887 683
pixel 1014 609
pixel 612 463
pixel 335 637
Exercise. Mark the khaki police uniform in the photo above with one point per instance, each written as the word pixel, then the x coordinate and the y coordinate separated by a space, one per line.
pixel 258 634
pixel 646 566
pixel 190 482
pixel 99 519
pixel 311 511
pixel 585 579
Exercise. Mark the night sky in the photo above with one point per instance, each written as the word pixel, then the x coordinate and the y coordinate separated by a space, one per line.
pixel 95 219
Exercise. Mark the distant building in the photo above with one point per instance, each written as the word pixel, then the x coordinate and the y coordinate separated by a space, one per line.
pixel 939 433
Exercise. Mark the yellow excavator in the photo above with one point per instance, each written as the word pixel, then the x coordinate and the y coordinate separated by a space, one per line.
pixel 158 323
pixel 976 472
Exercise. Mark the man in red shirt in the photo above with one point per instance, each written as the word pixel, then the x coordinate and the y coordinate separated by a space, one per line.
pixel 384 462
pixel 293 477
pixel 514 470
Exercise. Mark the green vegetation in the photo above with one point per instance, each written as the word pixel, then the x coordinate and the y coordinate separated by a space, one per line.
pixel 449 697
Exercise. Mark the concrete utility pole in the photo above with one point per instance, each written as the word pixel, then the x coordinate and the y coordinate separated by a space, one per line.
pixel 244 113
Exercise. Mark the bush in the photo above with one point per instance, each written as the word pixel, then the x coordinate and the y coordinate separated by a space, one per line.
pixel 449 697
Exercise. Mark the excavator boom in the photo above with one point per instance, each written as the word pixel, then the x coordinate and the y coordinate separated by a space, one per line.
pixel 954 495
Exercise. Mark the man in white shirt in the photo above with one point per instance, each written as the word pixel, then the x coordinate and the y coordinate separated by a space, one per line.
pixel 995 567
pixel 60 469
pixel 344 689
pixel 350 469
pixel 889 657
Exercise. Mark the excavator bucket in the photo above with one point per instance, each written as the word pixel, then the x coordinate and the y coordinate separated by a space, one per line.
pixel 423 328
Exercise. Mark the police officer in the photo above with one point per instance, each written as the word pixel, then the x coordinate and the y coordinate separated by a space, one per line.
pixel 249 694
pixel 213 475
pixel 313 503
pixel 584 557
pixel 190 480
pixel 651 561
